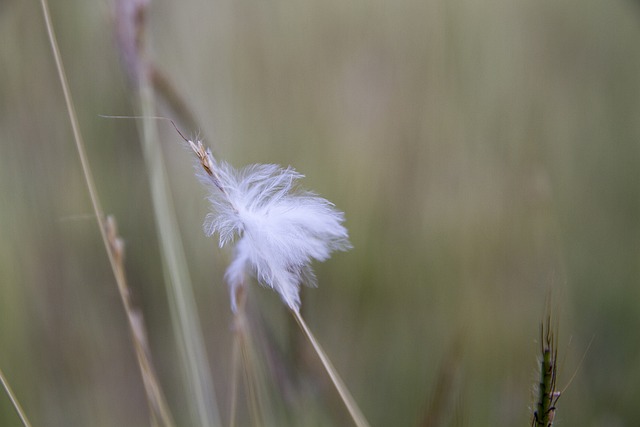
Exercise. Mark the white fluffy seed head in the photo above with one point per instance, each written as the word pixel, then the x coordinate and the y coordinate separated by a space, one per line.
pixel 278 228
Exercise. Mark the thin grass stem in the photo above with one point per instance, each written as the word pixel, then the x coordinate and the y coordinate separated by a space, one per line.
pixel 14 401
pixel 239 320
pixel 252 384
pixel 160 413
pixel 158 406
pixel 184 314
pixel 131 29
pixel 244 356
pixel 235 368
pixel 173 99
pixel 350 403
pixel 77 136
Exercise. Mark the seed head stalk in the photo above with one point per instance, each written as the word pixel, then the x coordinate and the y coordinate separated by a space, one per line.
pixel 355 412
pixel 279 231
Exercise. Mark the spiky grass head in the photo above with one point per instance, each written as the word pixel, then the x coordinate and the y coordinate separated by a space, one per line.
pixel 546 394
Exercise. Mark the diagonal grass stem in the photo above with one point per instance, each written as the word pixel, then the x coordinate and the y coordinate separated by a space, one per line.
pixel 350 403
pixel 14 401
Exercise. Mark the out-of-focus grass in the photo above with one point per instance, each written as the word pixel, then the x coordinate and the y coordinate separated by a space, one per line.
pixel 484 154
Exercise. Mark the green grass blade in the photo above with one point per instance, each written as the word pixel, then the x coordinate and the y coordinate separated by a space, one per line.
pixel 184 314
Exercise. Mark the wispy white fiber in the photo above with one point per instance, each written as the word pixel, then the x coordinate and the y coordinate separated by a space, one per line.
pixel 278 228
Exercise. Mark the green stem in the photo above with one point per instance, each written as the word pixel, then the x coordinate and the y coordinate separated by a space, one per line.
pixel 184 313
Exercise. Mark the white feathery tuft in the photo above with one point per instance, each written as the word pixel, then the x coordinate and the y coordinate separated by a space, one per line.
pixel 278 228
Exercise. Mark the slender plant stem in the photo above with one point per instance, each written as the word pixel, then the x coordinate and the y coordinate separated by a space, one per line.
pixel 77 136
pixel 235 360
pixel 348 400
pixel 239 325
pixel 244 356
pixel 152 386
pixel 184 312
pixel 14 401
pixel 252 384
pixel 159 409
pixel 168 93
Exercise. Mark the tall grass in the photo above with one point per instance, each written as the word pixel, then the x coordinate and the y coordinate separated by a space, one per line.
pixel 184 311
pixel 481 155
pixel 114 245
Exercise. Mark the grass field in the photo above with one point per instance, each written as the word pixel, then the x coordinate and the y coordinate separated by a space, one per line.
pixel 486 156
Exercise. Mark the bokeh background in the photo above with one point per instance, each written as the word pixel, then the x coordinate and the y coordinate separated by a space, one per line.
pixel 486 155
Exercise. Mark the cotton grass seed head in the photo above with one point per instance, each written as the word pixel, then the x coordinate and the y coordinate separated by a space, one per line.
pixel 277 227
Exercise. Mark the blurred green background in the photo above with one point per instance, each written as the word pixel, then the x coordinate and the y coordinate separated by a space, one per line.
pixel 486 155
